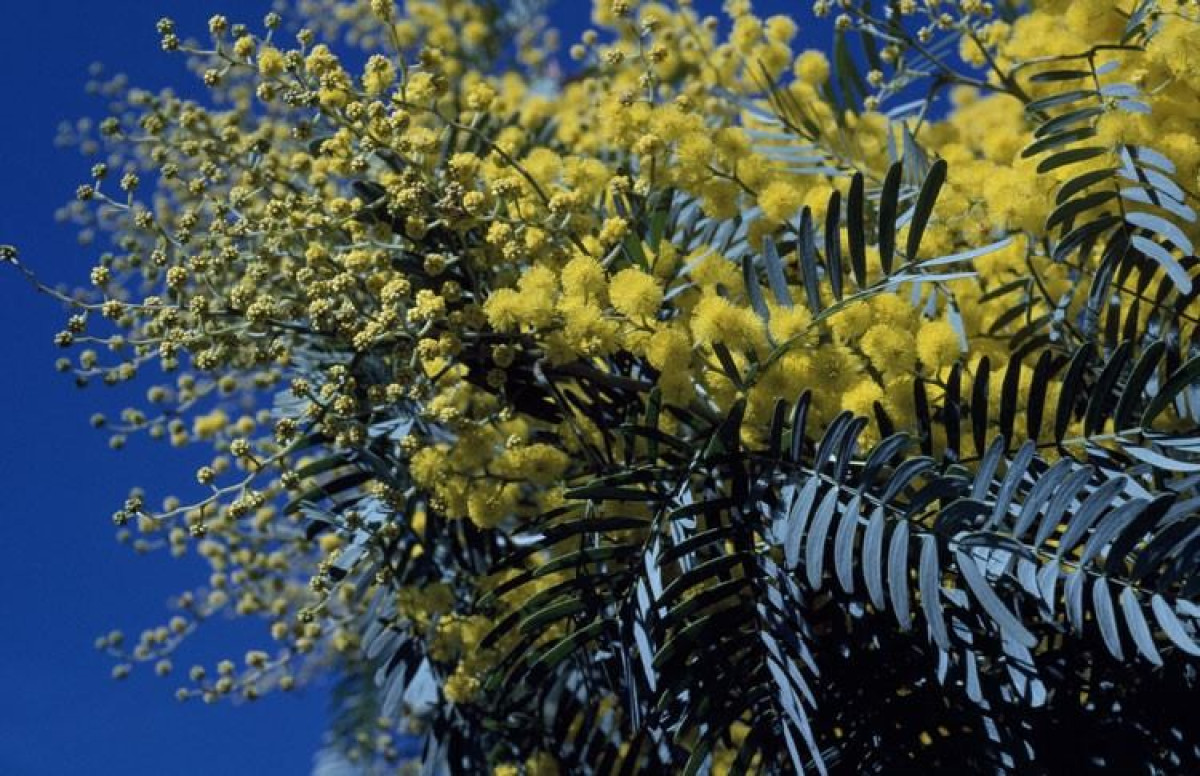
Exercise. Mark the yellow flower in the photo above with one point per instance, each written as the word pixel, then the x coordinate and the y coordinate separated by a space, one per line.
pixel 421 88
pixel 378 75
pixel 634 293
pixel 586 329
pixel 832 367
pixel 480 97
pixel 584 277
pixel 538 281
pixel 812 67
pixel 937 344
pixel 716 321
pixel 851 321
pixel 208 426
pixel 860 399
pixel 271 63
pixel 461 687
pixel 790 322
pixel 891 350
pixel 781 28
pixel 669 347
pixel 781 200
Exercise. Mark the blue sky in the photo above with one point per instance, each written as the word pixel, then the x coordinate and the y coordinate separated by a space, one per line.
pixel 64 579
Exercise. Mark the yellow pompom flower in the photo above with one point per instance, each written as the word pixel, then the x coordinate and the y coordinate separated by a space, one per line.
pixel 378 75
pixel 208 426
pixel 812 67
pixel 584 277
pixel 586 329
pixel 719 198
pixel 480 97
pixel 893 310
pixel 937 344
pixel 781 29
pixel 490 502
pixel 851 322
pixel 421 88
pixel 715 320
pixel 461 687
pixel 669 347
pixel 861 398
pixel 789 323
pixel 780 200
pixel 890 349
pixel 503 310
pixel 634 293
pixel 271 63
pixel 543 164
pixel 832 368
pixel 539 281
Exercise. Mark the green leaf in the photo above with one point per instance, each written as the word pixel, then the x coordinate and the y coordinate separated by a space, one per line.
pixel 1152 157
pixel 1088 512
pixel 924 207
pixel 991 603
pixel 968 255
pixel 843 545
pixel 1068 211
pixel 888 203
pixel 929 580
pixel 979 404
pixel 1075 483
pixel 1069 391
pixel 898 575
pixel 797 517
pixel 1049 142
pixel 728 365
pixel 613 493
pixel 1066 120
pixel 1081 182
pixel 851 86
pixel 856 230
pixel 872 558
pixel 833 243
pixel 1179 381
pixel 1160 461
pixel 799 424
pixel 560 610
pixel 1060 75
pixel 328 490
pixel 1164 259
pixel 1035 406
pixel 729 589
pixel 775 275
pixel 1073 593
pixel 564 648
pixel 691 580
pixel 1102 391
pixel 1106 618
pixel 1173 626
pixel 814 554
pixel 1135 386
pixel 808 262
pixel 587 555
pixel 1009 397
pixel 1072 156
pixel 753 289
pixel 1160 227
pixel 1062 98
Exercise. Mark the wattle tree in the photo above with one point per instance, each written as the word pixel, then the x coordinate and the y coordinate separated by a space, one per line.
pixel 715 399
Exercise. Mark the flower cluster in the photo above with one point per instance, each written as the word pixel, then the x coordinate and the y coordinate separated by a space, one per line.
pixel 386 270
